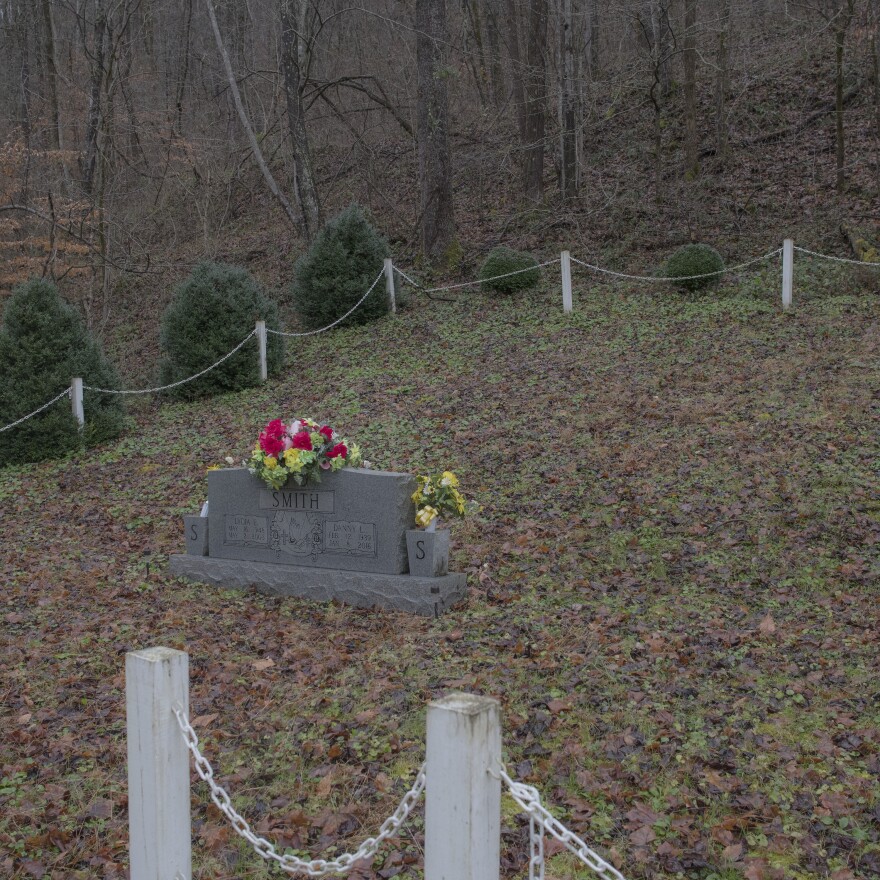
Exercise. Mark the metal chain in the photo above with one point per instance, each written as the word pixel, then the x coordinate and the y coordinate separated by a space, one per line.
pixel 865 263
pixel 542 820
pixel 265 849
pixel 477 282
pixel 65 393
pixel 536 850
pixel 662 280
pixel 338 320
pixel 174 384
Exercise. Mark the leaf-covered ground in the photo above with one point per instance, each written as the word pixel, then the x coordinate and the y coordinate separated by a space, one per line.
pixel 674 591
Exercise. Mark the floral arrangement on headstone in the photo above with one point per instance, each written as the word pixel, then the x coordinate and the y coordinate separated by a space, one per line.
pixel 438 497
pixel 301 450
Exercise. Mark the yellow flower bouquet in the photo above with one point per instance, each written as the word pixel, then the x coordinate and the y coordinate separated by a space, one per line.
pixel 438 496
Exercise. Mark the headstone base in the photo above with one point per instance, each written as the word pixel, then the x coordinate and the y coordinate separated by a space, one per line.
pixel 430 596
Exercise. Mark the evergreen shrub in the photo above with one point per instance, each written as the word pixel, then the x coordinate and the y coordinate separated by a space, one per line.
pixel 694 259
pixel 502 260
pixel 209 314
pixel 43 345
pixel 338 269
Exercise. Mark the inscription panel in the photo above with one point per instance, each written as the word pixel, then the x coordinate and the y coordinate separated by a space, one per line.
pixel 246 530
pixel 353 538
pixel 297 499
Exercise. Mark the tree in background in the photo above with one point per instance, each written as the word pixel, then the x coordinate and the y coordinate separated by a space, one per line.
pixel 339 268
pixel 211 312
pixel 43 345
pixel 294 67
pixel 435 160
pixel 535 101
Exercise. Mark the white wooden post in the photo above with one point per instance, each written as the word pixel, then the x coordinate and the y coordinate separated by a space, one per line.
pixel 389 285
pixel 76 401
pixel 565 259
pixel 787 272
pixel 462 797
pixel 156 679
pixel 261 339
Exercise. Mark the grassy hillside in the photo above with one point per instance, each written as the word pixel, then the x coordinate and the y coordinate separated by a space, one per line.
pixel 674 590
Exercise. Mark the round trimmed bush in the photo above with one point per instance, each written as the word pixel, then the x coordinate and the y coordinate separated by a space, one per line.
pixel 502 260
pixel 694 259
pixel 43 345
pixel 343 261
pixel 210 313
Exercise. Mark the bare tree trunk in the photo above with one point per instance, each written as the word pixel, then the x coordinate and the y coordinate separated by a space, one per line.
pixel 691 162
pixel 594 38
pixel 93 125
pixel 435 162
pixel 22 23
pixel 55 135
pixel 478 67
pixel 567 110
pixel 647 22
pixel 843 19
pixel 660 36
pixel 180 89
pixel 721 83
pixel 516 68
pixel 536 100
pixel 492 37
pixel 875 63
pixel 255 147
pixel 293 35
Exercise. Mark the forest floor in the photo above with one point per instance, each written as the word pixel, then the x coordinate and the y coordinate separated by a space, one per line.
pixel 673 591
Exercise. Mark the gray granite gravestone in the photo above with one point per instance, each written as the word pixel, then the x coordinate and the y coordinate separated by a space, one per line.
pixel 343 538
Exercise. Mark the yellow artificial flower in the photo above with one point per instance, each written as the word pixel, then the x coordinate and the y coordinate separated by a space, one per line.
pixel 449 479
pixel 270 462
pixel 293 459
pixel 425 516
pixel 213 467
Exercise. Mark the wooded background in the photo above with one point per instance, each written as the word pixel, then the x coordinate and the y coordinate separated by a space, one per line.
pixel 141 135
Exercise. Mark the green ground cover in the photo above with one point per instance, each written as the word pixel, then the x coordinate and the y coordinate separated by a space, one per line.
pixel 674 587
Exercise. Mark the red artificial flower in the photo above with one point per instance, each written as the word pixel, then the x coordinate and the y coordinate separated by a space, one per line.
pixel 327 431
pixel 270 444
pixel 275 428
pixel 302 441
pixel 337 450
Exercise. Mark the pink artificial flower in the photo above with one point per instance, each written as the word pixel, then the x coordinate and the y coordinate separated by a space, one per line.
pixel 327 431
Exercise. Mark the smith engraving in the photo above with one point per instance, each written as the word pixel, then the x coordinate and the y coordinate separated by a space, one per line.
pixel 296 499
pixel 246 530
